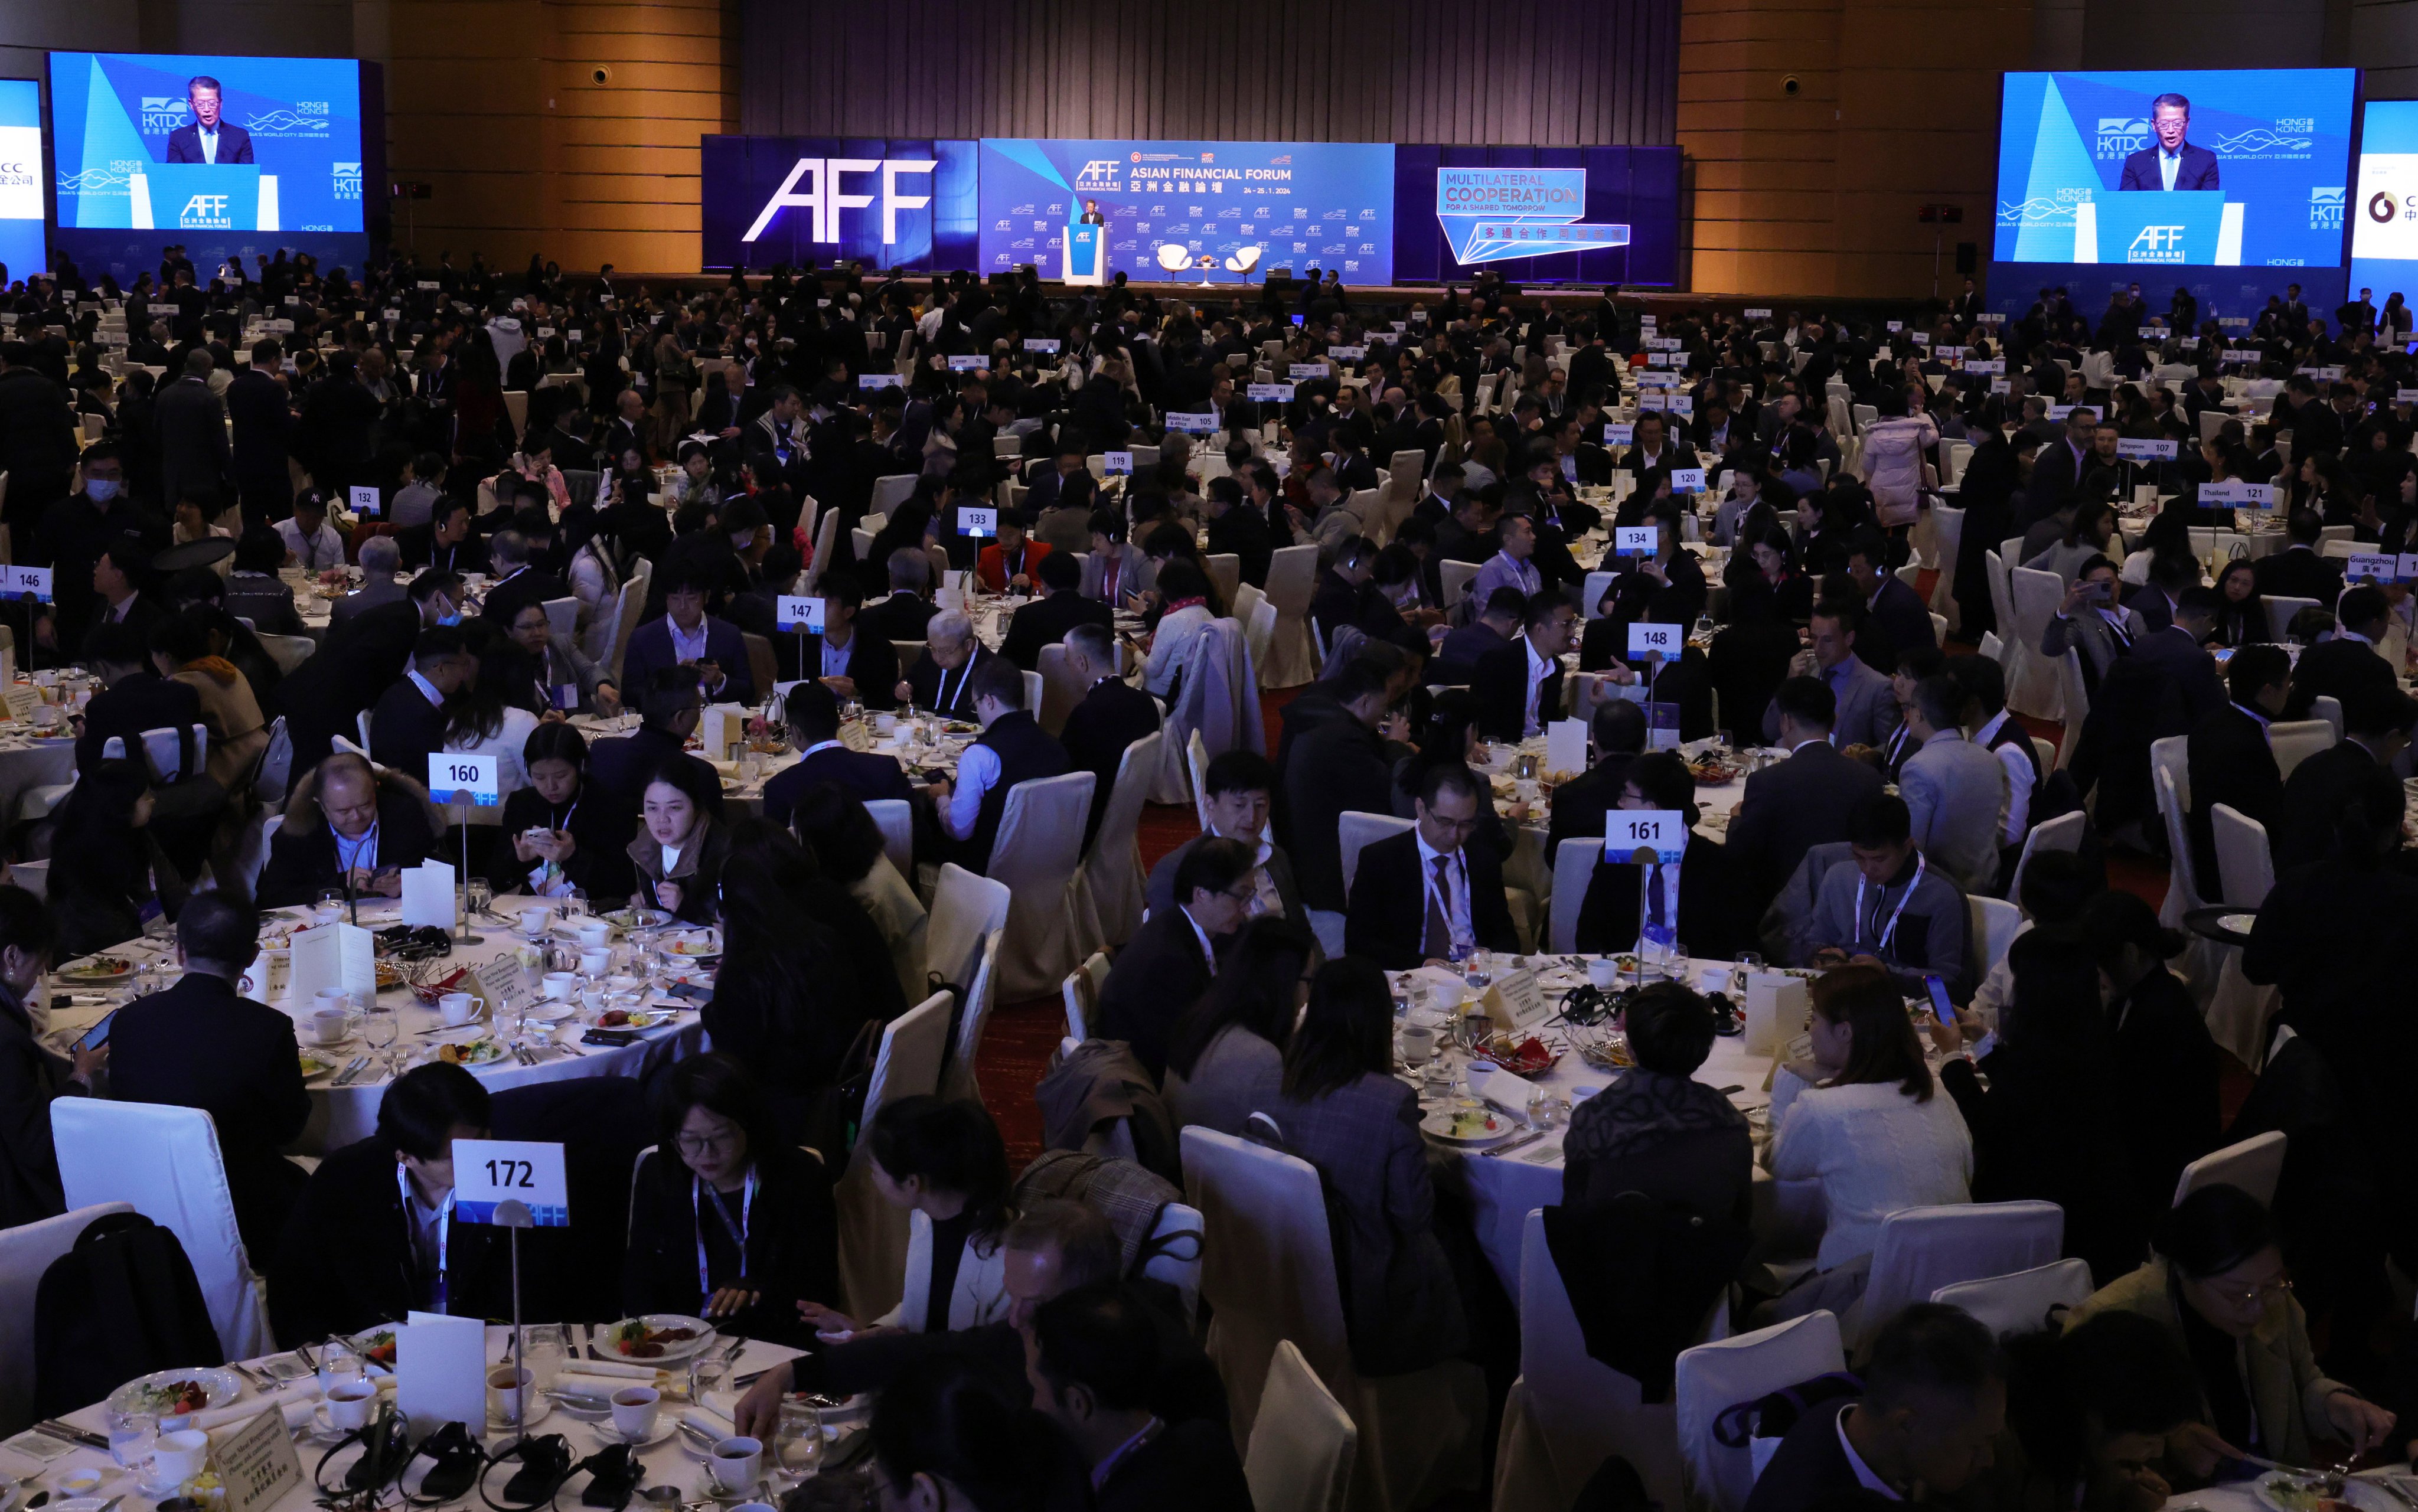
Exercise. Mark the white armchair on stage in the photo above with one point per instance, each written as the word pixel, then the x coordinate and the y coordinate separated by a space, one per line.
pixel 164 1163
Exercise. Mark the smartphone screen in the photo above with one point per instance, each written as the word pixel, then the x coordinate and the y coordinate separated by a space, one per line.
pixel 96 1036
pixel 1940 1007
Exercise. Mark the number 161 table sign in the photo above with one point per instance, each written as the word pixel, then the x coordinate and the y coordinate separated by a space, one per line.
pixel 490 1172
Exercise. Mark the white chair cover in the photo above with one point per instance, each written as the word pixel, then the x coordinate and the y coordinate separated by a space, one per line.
pixel 1574 866
pixel 1711 1378
pixel 964 910
pixel 1327 925
pixel 2020 1303
pixel 1226 572
pixel 890 492
pixel 1947 535
pixel 1995 922
pixel 2295 741
pixel 897 818
pixel 2281 607
pixel 1268 1276
pixel 2064 833
pixel 287 651
pixel 826 539
pixel 872 1233
pixel 2327 706
pixel 35 877
pixel 1569 1412
pixel 1922 1249
pixel 2255 1164
pixel 1457 576
pixel 2075 697
pixel 958 1079
pixel 630 602
pixel 1196 757
pixel 1219 696
pixel 164 1163
pixel 25 1252
pixel 1258 628
pixel 2033 687
pixel 1080 992
pixel 1061 690
pixel 1040 845
pixel 1177 1240
pixel 1591 596
pixel 1356 830
pixel 1112 872
pixel 1244 599
pixel 1293 576
pixel 1993 648
pixel 1302 1447
pixel 2002 608
pixel 2245 868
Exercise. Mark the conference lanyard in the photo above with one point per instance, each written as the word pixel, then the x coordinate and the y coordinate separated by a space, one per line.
pixel 738 1231
pixel 444 1232
pixel 1888 932
pixel 941 703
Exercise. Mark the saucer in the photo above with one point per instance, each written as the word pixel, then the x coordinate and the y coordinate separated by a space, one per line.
pixel 540 1409
pixel 667 1424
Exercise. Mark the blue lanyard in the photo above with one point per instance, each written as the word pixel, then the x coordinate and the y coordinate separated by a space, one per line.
pixel 738 1231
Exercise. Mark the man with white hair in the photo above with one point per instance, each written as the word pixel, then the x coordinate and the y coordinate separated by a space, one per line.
pixel 381 560
pixel 941 680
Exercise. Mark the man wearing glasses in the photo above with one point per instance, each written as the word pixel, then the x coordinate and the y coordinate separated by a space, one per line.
pixel 1427 895
pixel 1173 955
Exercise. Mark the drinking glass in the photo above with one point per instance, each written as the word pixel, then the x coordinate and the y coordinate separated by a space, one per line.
pixel 379 1029
pixel 330 904
pixel 482 895
pixel 544 1347
pixel 132 1437
pixel 708 1374
pixel 340 1364
pixel 797 1445
pixel 574 903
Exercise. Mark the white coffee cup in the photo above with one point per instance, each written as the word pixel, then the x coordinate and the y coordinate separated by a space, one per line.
pixel 596 934
pixel 1480 1075
pixel 332 1025
pixel 736 1463
pixel 1604 975
pixel 180 1457
pixel 1418 1043
pixel 562 986
pixel 595 962
pixel 327 998
pixel 506 1387
pixel 350 1404
pixel 633 1413
pixel 459 1008
pixel 533 921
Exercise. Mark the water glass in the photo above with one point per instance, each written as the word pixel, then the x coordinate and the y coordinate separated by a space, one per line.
pixel 574 903
pixel 708 1375
pixel 544 1347
pixel 380 1031
pixel 133 1439
pixel 482 895
pixel 797 1445
pixel 340 1364
pixel 330 908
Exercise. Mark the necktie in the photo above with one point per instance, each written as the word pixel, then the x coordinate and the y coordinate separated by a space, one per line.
pixel 1438 945
pixel 2123 641
pixel 1654 906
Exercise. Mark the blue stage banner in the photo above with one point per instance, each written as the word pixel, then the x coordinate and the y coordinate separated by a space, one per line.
pixel 1537 215
pixel 2271 147
pixel 21 181
pixel 1243 207
pixel 894 202
pixel 2384 235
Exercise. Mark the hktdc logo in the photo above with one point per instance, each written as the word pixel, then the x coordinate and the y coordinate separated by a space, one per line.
pixel 2326 209
pixel 346 181
pixel 164 113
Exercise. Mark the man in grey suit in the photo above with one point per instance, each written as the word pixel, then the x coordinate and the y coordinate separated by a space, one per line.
pixel 1240 783
pixel 1955 792
pixel 192 423
pixel 1866 705
pixel 2091 621
pixel 381 558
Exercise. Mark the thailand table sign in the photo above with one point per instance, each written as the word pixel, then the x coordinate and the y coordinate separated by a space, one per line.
pixel 1566 749
pixel 441 1361
pixel 254 1460
pixel 2132 449
pixel 2241 495
pixel 488 1173
pixel 1517 1000
pixel 341 957
pixel 428 895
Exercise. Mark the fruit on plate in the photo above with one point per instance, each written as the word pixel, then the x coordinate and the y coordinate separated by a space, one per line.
pixel 1474 1123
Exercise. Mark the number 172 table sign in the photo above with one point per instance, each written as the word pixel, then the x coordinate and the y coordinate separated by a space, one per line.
pixel 489 1172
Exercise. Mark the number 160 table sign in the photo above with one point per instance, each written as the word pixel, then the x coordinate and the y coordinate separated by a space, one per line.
pixel 489 1172
pixel 454 771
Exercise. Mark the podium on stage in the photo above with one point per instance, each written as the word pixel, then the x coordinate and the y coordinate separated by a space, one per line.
pixel 1087 261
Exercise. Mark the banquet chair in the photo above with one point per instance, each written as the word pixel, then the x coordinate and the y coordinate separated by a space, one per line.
pixel 2255 1164
pixel 2063 832
pixel 2296 740
pixel 1080 992
pixel 957 1080
pixel 1948 535
pixel 1033 693
pixel 862 539
pixel 2281 607
pixel 1710 1378
pixel 164 1163
pixel 25 1252
pixel 1922 1249
pixel 965 909
pixel 2002 608
pixel 1268 1276
pixel 2327 706
pixel 1111 881
pixel 826 536
pixel 890 492
pixel 1196 757
pixel 1226 572
pixel 35 877
pixel 1060 689
pixel 1591 595
pixel 895 817
pixel 287 651
pixel 1357 830
pixel 2021 1302
pixel 1574 865
pixel 1568 1411
pixel 1993 648
pixel 1995 923
pixel 1038 855
pixel 2031 683
pixel 1176 1243
pixel 1457 576
pixel 2074 694
pixel 872 1233
pixel 627 606
pixel 1293 576
pixel 2246 867
pixel 1302 1447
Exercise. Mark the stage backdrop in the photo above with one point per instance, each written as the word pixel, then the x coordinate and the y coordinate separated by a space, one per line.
pixel 1294 203
pixel 21 180
pixel 893 202
pixel 1536 215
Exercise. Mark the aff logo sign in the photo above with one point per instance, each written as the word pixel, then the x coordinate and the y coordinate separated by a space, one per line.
pixel 825 193
pixel 346 181
pixel 204 212
pixel 1100 176
pixel 2156 244
pixel 2325 209
pixel 164 113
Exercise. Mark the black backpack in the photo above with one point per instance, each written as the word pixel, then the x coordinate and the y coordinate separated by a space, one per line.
pixel 123 1303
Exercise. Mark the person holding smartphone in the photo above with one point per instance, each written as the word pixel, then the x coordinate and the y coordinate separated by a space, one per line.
pixel 2091 619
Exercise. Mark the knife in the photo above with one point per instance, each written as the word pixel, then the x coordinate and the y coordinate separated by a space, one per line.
pixel 56 1430
pixel 1521 1143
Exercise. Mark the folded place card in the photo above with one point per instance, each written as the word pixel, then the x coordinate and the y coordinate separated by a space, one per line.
pixel 334 955
pixel 1565 747
pixel 428 895
pixel 441 1371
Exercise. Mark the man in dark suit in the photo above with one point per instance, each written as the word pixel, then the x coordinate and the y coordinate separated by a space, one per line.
pixel 2058 468
pixel 199 1044
pixel 446 542
pixel 211 138
pixel 942 679
pixel 1337 767
pixel 2230 762
pixel 813 713
pixel 2376 729
pixel 1896 619
pixel 687 636
pixel 359 1249
pixel 1238 530
pixel 1520 685
pixel 1651 448
pixel 1094 1359
pixel 1421 896
pixel 1934 1397
pixel 2178 653
pixel 517 584
pixel 2349 661
pixel 907 613
pixel 191 424
pixel 134 698
pixel 2172 163
pixel 1689 902
pixel 2298 572
pixel 848 657
pixel 1111 716
pixel 669 705
pixel 1497 625
pixel 1240 785
pixel 263 418
pixel 1618 731
pixel 1060 609
pixel 1171 959
pixel 407 723
pixel 1790 807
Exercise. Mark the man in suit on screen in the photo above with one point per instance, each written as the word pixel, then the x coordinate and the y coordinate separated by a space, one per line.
pixel 2173 162
pixel 209 139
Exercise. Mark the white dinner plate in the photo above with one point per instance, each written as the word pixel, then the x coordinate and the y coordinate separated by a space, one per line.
pixel 219 1387
pixel 1438 1126
pixel 703 1337
pixel 2366 1495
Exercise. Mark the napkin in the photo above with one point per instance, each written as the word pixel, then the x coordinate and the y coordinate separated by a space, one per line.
pixel 707 1421
pixel 647 1373
pixel 295 1399
pixel 1509 1093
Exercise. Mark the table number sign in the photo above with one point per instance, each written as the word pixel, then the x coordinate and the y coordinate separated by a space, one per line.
pixel 1758 313
pixel 1194 423
pixel 489 1172
pixel 1985 364
pixel 1270 393
pixel 17 582
pixel 879 380
pixel 2144 450
pixel 364 500
pixel 1897 324
pixel 453 772
pixel 2058 412
pixel 1662 343
pixel 1680 405
pixel 792 613
pixel 1665 641
pixel 977 521
pixel 1300 371
pixel 1636 540
pixel 1347 354
pixel 2370 566
pixel 1042 344
pixel 1117 463
pixel 1626 830
pixel 1617 433
pixel 974 363
pixel 1687 479
pixel 2404 396
pixel 254 1460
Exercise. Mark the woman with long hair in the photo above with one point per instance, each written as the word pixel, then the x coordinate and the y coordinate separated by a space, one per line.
pixel 1238 1031
pixel 562 840
pixel 2158 1045
pixel 834 825
pixel 101 855
pixel 2242 619
pixel 1189 603
pixel 493 713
